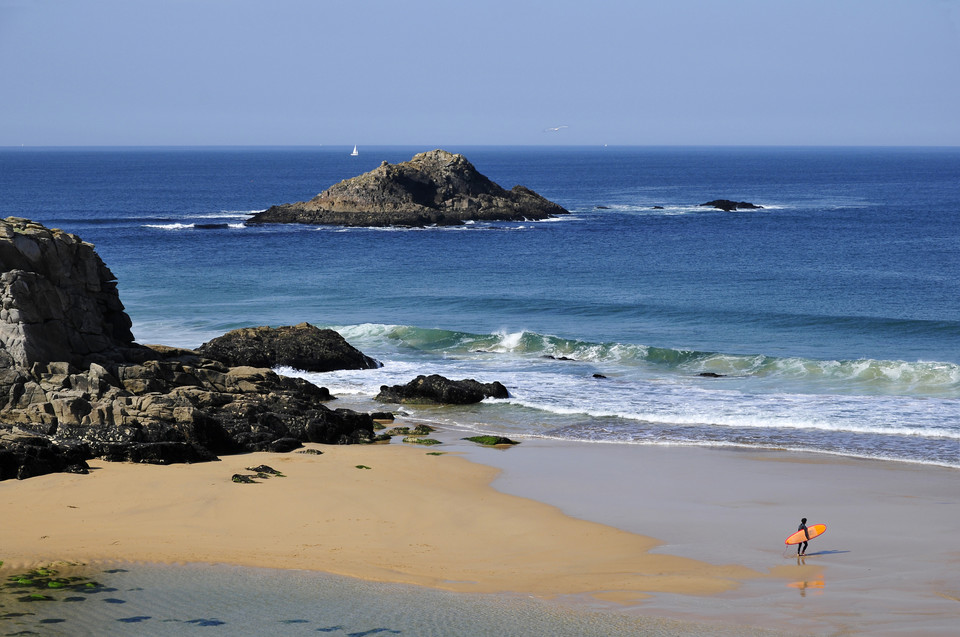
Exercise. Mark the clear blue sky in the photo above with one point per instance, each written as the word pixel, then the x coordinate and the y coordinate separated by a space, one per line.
pixel 436 72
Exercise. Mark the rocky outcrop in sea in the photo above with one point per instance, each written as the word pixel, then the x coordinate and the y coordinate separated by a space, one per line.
pixel 729 206
pixel 302 346
pixel 74 385
pixel 434 188
pixel 437 389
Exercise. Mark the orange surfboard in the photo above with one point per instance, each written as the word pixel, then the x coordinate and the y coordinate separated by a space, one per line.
pixel 814 530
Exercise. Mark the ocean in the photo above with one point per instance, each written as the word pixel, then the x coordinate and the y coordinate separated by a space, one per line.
pixel 828 321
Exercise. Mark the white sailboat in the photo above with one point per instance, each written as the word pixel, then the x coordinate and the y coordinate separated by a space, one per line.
pixel 354 153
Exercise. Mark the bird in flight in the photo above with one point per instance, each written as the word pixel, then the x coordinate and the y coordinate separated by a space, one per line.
pixel 554 129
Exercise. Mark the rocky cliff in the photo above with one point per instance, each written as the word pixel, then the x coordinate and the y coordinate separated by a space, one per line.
pixel 74 385
pixel 433 188
pixel 59 300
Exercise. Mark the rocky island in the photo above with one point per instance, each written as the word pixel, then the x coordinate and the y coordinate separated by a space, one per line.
pixel 434 188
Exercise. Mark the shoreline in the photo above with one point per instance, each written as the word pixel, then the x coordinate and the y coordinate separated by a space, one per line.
pixel 568 521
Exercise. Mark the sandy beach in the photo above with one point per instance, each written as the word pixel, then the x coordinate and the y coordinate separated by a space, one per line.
pixel 676 532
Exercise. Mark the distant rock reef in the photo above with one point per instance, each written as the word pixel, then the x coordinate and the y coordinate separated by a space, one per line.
pixel 729 206
pixel 434 188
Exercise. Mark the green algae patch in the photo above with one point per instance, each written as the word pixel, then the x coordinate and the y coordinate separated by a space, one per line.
pixel 362 466
pixel 414 440
pixel 436 453
pixel 45 580
pixel 492 441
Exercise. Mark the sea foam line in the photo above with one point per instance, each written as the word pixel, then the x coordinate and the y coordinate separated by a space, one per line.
pixel 758 421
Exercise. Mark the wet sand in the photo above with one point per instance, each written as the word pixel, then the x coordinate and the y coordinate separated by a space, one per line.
pixel 574 522
pixel 888 563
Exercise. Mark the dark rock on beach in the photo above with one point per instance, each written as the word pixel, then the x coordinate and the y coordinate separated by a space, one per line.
pixel 433 188
pixel 438 389
pixel 75 386
pixel 300 346
pixel 23 455
pixel 729 206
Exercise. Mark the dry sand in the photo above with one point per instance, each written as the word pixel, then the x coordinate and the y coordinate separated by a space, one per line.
pixel 574 521
pixel 410 518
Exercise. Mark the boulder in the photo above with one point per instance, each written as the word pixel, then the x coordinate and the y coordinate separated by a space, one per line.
pixel 433 188
pixel 438 389
pixel 300 346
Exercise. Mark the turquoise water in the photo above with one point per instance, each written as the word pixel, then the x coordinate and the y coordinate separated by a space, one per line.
pixel 832 315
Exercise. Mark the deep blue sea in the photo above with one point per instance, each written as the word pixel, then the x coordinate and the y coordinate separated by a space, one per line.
pixel 832 315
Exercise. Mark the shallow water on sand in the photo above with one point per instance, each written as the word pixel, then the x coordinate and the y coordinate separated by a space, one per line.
pixel 226 600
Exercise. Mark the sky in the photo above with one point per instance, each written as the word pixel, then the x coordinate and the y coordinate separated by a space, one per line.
pixel 443 72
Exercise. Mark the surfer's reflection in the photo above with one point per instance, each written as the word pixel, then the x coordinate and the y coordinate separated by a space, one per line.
pixel 814 585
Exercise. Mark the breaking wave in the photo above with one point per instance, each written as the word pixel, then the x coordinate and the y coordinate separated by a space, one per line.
pixel 871 376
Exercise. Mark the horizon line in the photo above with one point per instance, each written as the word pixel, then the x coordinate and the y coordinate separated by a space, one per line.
pixel 408 145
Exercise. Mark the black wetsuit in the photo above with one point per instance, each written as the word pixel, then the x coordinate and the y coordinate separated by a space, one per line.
pixel 802 547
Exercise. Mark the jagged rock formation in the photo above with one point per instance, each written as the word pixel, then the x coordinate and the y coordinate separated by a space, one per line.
pixel 74 385
pixel 179 407
pixel 729 206
pixel 433 188
pixel 300 346
pixel 438 389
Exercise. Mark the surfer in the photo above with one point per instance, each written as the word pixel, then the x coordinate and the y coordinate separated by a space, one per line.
pixel 802 546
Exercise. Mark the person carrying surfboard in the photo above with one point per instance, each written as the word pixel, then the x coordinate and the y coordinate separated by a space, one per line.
pixel 802 546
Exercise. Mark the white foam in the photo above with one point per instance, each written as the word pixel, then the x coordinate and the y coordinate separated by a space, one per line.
pixel 169 226
pixel 227 214
pixel 508 342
